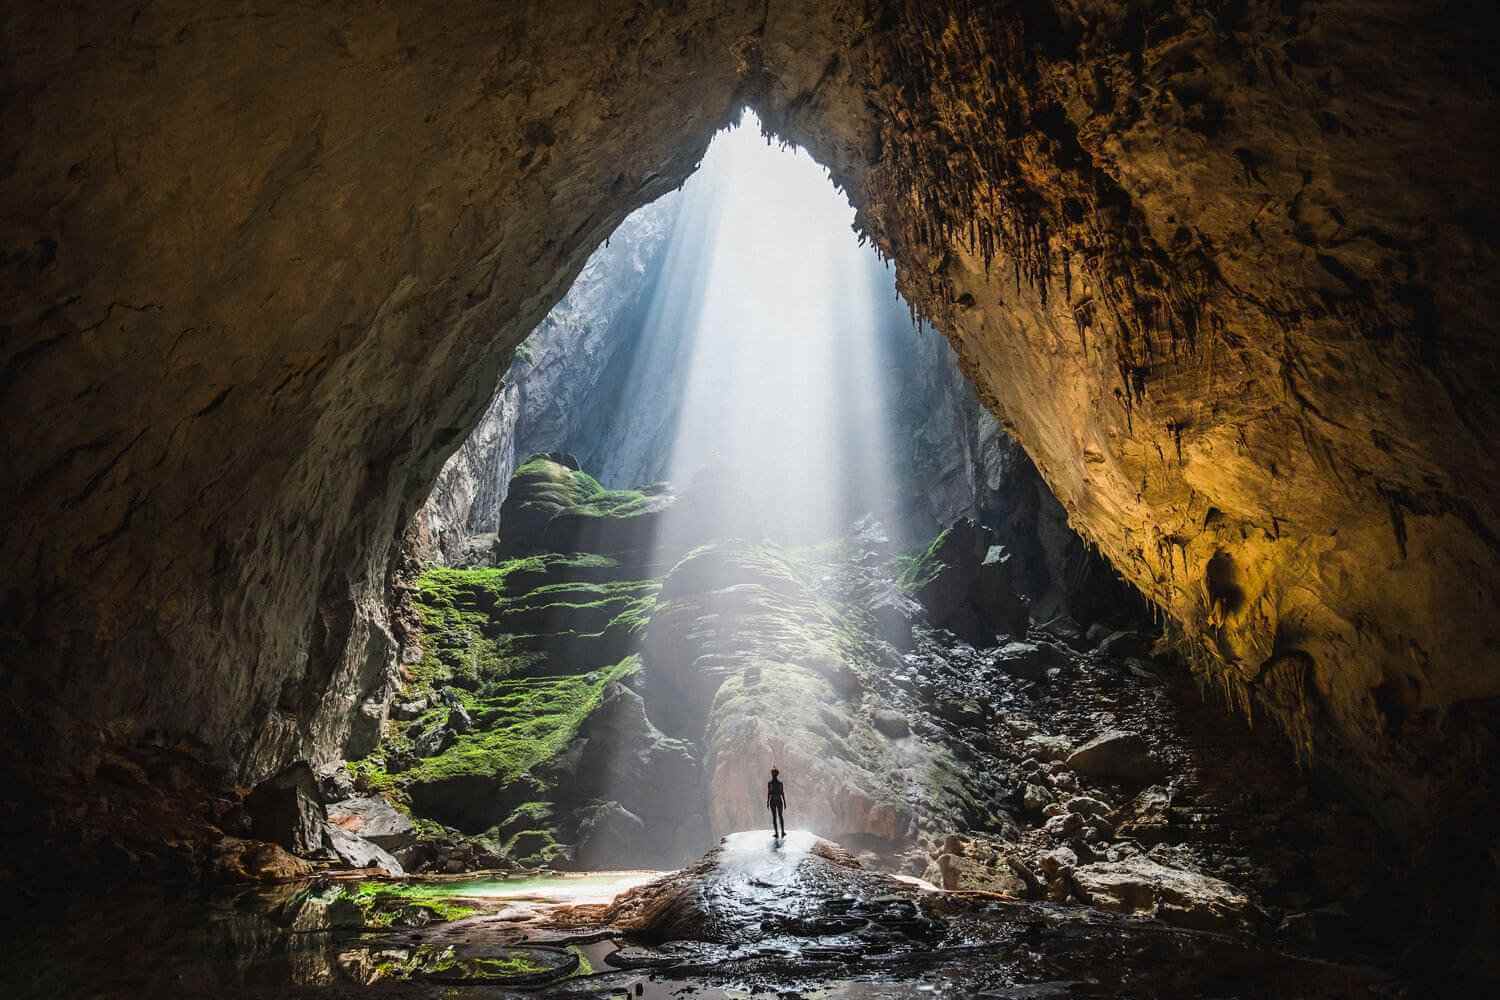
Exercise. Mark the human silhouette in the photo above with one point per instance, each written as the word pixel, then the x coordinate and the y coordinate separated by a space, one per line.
pixel 776 802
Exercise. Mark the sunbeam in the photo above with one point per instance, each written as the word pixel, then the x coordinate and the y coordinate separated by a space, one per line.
pixel 772 314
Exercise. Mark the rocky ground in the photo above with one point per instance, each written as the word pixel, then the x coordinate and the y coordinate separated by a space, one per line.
pixel 792 918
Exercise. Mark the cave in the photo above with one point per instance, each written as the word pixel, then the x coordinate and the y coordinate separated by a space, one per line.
pixel 1201 288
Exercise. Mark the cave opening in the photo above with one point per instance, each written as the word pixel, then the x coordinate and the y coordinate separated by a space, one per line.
pixel 734 420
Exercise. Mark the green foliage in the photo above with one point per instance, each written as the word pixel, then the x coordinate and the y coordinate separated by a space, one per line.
pixel 916 570
pixel 528 814
pixel 523 354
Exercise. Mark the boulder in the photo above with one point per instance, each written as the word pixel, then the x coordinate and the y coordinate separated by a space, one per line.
pixel 406 711
pixel 374 819
pixel 893 612
pixel 1068 632
pixel 608 835
pixel 1064 826
pixel 238 860
pixel 1058 861
pixel 433 742
pixel 459 720
pixel 1029 661
pixel 364 729
pixel 1086 806
pixel 1140 885
pixel 335 782
pixel 995 595
pixel 286 809
pixel 891 723
pixel 1118 755
pixel 953 562
pixel 1037 798
pixel 961 711
pixel 357 852
pixel 1149 817
pixel 1124 643
pixel 1142 671
pixel 836 721
pixel 1049 748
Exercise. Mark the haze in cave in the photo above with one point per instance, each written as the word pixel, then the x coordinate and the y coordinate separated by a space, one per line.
pixel 454 455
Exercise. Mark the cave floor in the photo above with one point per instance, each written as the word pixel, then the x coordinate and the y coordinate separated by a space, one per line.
pixel 789 919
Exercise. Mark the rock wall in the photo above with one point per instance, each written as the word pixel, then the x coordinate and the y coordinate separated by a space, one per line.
pixel 1223 269
pixel 1204 265
pixel 557 394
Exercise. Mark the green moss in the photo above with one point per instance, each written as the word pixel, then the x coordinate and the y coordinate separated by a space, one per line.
pixel 381 902
pixel 515 965
pixel 585 967
pixel 535 846
pixel 528 814
pixel 636 615
pixel 549 488
pixel 524 723
pixel 370 774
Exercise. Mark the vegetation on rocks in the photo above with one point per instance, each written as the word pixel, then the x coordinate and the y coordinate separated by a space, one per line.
pixel 917 569
pixel 381 904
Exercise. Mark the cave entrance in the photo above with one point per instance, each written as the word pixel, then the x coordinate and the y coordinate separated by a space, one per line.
pixel 737 339
pixel 728 503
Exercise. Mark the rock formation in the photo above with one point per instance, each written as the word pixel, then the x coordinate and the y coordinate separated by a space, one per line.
pixel 554 397
pixel 1223 270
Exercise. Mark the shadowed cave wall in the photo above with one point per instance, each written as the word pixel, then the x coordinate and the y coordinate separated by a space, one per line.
pixel 1223 269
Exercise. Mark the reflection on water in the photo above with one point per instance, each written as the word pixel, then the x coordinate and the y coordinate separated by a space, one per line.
pixel 149 943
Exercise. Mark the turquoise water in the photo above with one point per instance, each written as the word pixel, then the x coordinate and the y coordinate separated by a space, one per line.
pixel 593 887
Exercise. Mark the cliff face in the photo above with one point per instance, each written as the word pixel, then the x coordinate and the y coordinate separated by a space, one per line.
pixel 556 395
pixel 1223 270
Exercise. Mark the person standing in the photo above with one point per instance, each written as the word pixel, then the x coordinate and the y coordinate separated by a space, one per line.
pixel 776 802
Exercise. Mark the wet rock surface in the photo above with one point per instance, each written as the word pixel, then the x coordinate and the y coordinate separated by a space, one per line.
pixel 798 918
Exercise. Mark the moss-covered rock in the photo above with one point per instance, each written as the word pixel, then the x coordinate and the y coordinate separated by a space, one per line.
pixel 520 725
pixel 553 506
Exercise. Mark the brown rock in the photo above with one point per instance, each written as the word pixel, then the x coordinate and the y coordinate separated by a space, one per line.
pixel 238 860
pixel 1119 755
pixel 1140 885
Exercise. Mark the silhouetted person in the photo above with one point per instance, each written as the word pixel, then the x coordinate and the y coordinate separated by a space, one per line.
pixel 776 802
